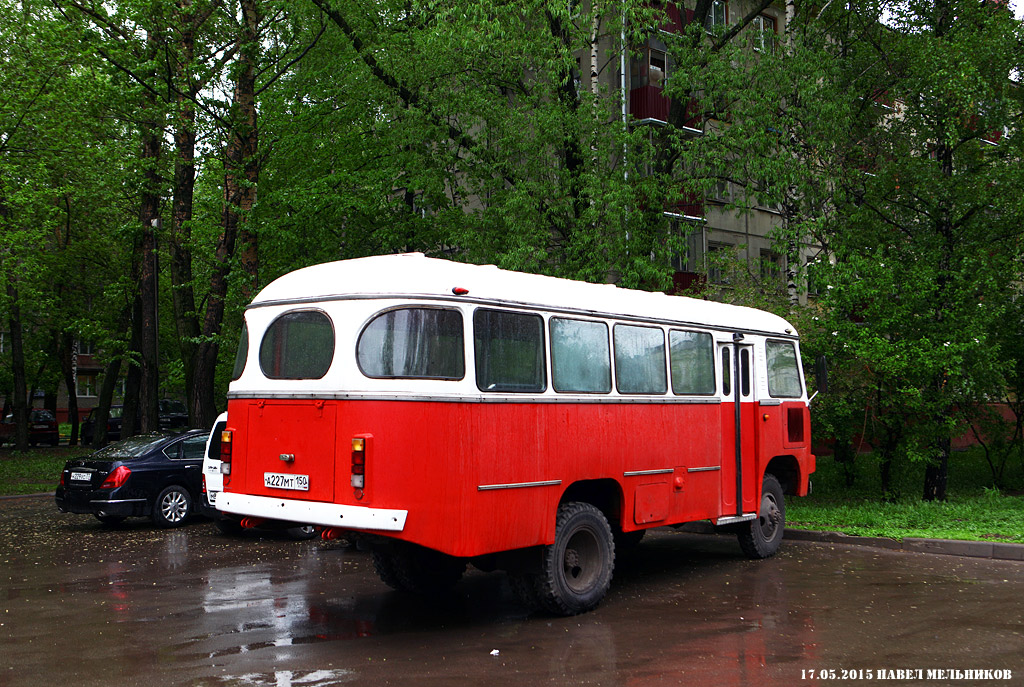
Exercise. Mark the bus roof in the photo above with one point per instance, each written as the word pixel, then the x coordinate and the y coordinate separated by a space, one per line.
pixel 415 275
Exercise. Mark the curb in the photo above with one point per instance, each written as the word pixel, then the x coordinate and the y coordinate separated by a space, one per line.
pixel 945 547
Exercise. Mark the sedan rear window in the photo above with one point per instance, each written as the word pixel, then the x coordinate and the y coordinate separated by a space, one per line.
pixel 133 447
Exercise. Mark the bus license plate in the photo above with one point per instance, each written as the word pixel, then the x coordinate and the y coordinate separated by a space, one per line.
pixel 276 480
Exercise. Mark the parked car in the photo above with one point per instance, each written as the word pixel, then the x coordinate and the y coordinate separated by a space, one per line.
pixel 213 485
pixel 150 475
pixel 42 428
pixel 173 417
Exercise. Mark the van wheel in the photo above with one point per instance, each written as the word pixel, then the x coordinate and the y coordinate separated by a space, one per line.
pixel 761 537
pixel 576 570
pixel 409 568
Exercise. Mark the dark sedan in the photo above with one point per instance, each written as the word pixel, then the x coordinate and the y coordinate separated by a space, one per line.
pixel 151 475
pixel 42 428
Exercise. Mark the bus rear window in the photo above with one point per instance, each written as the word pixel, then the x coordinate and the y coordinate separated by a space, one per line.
pixel 509 351
pixel 783 371
pixel 298 345
pixel 413 342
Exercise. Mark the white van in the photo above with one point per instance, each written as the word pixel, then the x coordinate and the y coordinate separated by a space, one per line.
pixel 213 485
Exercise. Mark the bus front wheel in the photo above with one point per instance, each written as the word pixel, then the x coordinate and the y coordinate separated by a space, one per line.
pixel 576 570
pixel 761 537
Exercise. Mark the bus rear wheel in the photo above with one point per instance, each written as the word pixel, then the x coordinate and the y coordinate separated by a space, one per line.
pixel 409 568
pixel 761 537
pixel 576 570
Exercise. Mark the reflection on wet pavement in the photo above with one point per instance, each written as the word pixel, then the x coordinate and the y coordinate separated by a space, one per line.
pixel 134 605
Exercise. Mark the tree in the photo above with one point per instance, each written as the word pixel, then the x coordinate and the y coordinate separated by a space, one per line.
pixel 915 206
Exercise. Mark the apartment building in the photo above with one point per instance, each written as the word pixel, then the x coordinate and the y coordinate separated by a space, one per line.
pixel 729 232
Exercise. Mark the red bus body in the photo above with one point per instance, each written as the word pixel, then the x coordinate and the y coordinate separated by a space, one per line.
pixel 456 468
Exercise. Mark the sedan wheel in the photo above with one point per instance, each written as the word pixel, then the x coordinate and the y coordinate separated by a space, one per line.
pixel 172 507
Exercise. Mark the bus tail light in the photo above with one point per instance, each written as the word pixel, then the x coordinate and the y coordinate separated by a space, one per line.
pixel 225 452
pixel 359 446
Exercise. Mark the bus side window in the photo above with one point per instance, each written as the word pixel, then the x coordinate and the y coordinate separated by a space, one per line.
pixel 413 343
pixel 580 356
pixel 783 371
pixel 726 373
pixel 509 351
pixel 693 362
pixel 639 360
pixel 745 371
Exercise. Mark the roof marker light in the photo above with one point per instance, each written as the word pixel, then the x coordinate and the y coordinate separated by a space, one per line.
pixel 459 291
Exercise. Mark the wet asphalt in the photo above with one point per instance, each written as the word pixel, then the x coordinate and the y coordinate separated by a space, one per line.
pixel 134 605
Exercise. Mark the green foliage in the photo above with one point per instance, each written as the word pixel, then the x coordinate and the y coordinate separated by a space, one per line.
pixel 973 511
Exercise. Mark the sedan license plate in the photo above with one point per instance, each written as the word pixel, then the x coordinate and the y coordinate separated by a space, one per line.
pixel 81 476
pixel 277 480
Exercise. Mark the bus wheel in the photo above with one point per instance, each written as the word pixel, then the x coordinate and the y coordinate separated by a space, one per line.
pixel 761 537
pixel 577 568
pixel 409 568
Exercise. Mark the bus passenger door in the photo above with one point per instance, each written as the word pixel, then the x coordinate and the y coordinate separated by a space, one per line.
pixel 739 436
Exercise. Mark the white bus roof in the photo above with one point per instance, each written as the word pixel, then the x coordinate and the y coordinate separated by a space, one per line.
pixel 413 275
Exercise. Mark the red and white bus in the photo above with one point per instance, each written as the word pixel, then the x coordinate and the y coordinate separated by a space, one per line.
pixel 452 414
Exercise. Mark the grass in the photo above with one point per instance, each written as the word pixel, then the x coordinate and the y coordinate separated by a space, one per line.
pixel 33 471
pixel 973 509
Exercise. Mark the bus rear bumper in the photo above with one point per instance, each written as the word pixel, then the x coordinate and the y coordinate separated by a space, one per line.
pixel 313 512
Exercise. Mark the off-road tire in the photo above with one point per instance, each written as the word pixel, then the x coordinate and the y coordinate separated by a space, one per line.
pixel 576 570
pixel 762 536
pixel 409 568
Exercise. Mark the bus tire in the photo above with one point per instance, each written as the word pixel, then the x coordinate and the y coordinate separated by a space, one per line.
pixel 761 537
pixel 408 568
pixel 577 568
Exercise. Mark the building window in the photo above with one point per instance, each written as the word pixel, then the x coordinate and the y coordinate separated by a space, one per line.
pixel 719 263
pixel 771 268
pixel 716 15
pixel 85 386
pixel 764 33
pixel 657 70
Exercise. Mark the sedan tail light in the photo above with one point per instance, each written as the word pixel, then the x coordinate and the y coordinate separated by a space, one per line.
pixel 116 478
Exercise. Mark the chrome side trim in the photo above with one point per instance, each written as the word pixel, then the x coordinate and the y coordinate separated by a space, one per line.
pixel 635 473
pixel 519 485
pixel 732 519
pixel 313 512
pixel 100 502
pixel 709 468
